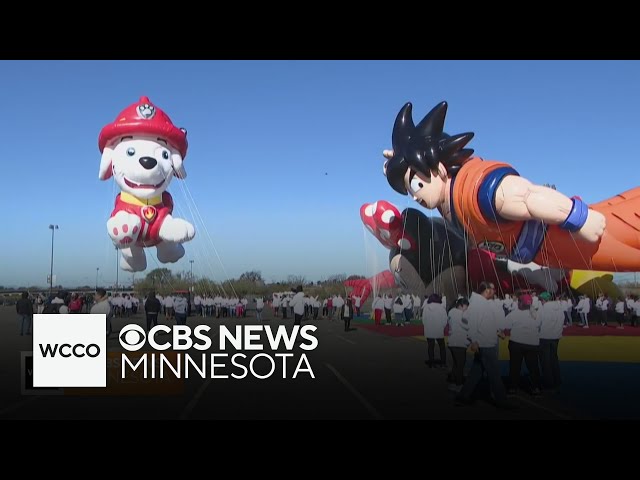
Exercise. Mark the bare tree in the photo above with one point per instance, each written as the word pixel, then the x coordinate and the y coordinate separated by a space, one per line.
pixel 295 280
pixel 356 277
pixel 254 276
pixel 338 278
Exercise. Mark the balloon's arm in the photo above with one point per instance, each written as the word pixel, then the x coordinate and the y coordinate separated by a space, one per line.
pixel 520 200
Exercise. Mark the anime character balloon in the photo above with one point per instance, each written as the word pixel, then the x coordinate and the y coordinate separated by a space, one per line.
pixel 143 151
pixel 500 211
pixel 512 229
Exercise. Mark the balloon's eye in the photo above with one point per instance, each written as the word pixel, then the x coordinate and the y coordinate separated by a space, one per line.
pixel 416 184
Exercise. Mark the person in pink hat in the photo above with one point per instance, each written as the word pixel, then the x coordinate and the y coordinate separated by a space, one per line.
pixel 143 150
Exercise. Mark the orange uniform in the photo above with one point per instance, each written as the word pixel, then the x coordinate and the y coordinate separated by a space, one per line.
pixel 472 196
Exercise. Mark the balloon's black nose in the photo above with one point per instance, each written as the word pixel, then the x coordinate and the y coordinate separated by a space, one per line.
pixel 148 162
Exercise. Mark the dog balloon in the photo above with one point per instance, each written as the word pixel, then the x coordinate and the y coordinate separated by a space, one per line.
pixel 143 151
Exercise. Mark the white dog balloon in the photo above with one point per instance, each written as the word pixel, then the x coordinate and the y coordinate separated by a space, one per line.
pixel 143 150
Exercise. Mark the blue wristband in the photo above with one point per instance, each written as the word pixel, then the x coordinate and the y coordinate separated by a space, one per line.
pixel 578 216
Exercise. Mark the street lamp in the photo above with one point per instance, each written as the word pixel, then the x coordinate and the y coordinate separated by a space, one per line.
pixel 97 270
pixel 53 228
pixel 117 268
pixel 191 289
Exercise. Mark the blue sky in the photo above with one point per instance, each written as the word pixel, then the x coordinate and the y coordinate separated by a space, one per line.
pixel 262 136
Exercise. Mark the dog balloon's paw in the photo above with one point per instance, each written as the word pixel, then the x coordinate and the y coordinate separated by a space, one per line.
pixel 176 230
pixel 124 229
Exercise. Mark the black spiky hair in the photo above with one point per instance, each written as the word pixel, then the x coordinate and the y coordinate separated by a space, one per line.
pixel 424 146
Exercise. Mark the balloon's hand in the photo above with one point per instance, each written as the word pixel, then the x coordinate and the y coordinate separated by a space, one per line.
pixel 388 154
pixel 594 227
pixel 176 230
pixel 124 229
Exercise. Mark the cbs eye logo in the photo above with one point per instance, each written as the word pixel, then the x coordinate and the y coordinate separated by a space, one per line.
pixel 132 338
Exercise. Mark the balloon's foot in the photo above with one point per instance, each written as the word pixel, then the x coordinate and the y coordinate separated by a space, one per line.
pixel 133 259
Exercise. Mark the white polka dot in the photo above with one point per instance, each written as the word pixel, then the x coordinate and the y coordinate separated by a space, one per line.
pixel 384 234
pixel 404 244
pixel 370 229
pixel 388 216
pixel 370 209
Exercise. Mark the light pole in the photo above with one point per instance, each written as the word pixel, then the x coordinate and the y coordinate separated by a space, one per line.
pixel 97 270
pixel 53 228
pixel 191 262
pixel 117 269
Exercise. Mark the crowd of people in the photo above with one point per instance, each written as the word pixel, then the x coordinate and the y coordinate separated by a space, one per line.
pixel 533 323
pixel 305 307
pixel 398 310
pixel 220 306
pixel 63 302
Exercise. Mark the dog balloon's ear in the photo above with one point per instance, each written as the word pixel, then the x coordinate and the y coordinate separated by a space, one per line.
pixel 176 161
pixel 105 164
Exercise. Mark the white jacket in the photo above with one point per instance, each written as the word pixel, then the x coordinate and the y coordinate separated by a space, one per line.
pixel 524 326
pixel 378 304
pixel 297 302
pixel 398 307
pixel 584 305
pixel 484 321
pixel 407 301
pixel 602 304
pixel 434 319
pixel 180 305
pixel 458 329
pixel 551 316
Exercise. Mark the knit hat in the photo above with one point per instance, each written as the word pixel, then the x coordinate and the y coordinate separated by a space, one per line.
pixel 525 299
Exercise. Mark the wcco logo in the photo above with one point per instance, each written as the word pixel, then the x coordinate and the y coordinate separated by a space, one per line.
pixel 69 350
pixel 78 350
